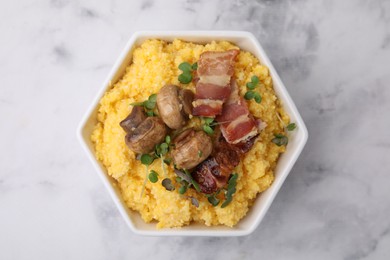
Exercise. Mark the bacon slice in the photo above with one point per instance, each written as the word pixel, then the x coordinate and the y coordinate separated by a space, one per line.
pixel 211 91
pixel 214 72
pixel 237 124
pixel 206 107
pixel 217 63
pixel 213 173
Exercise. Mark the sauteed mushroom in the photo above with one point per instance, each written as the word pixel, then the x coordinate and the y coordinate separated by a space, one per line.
pixel 173 105
pixel 135 118
pixel 191 148
pixel 150 132
pixel 186 97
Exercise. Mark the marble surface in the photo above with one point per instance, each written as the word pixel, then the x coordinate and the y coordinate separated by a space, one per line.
pixel 334 58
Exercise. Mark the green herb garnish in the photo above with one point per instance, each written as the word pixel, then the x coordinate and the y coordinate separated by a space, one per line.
pixel 183 176
pixel 147 159
pixel 251 86
pixel 208 120
pixel 183 189
pixel 186 178
pixel 186 76
pixel 291 126
pixel 150 113
pixel 231 189
pixel 208 129
pixel 185 66
pixel 255 79
pixel 194 201
pixel 200 153
pixel 280 140
pixel 153 176
pixel 213 200
pixel 164 148
pixel 161 150
pixel 151 102
pixel 258 98
pixel 167 183
pixel 167 161
pixel 253 95
pixel 196 185
pixel 207 125
pixel 249 95
pixel 148 105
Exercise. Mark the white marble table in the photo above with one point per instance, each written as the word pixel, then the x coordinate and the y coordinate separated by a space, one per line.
pixel 334 57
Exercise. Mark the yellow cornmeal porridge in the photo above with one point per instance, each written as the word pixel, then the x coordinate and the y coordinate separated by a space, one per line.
pixel 155 63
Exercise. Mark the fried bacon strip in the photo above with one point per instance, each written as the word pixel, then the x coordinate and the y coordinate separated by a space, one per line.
pixel 237 123
pixel 213 173
pixel 239 131
pixel 214 72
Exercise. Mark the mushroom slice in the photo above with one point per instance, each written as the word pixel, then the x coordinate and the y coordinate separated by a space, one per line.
pixel 144 138
pixel 191 148
pixel 186 97
pixel 169 107
pixel 136 116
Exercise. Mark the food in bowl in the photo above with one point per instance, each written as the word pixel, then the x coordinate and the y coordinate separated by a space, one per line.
pixel 191 133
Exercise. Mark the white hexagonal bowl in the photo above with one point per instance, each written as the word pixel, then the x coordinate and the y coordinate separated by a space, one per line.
pixel 246 41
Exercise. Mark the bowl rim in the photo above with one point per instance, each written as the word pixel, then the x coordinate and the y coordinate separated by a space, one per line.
pixel 287 101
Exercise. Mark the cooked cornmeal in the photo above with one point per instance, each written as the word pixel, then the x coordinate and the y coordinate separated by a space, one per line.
pixel 155 64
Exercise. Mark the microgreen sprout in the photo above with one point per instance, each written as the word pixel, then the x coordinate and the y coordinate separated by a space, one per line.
pixel 291 127
pixel 231 189
pixel 253 84
pixel 151 102
pixel 150 113
pixel 168 139
pixel 149 105
pixel 185 66
pixel 208 129
pixel 153 176
pixel 185 178
pixel 196 185
pixel 147 159
pixel 161 149
pixel 251 94
pixel 208 124
pixel 194 201
pixel 167 161
pixel 160 152
pixel 186 76
pixel 280 139
pixel 167 183
pixel 213 200
pixel 183 189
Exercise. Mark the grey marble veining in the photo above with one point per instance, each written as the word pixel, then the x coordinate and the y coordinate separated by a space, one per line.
pixel 333 57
